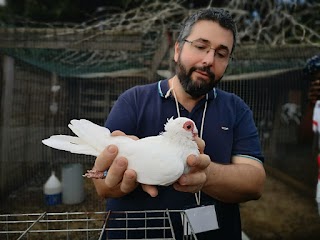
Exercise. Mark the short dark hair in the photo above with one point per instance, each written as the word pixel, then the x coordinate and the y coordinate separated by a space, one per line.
pixel 220 16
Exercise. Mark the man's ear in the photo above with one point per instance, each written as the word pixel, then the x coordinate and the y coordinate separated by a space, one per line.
pixel 176 52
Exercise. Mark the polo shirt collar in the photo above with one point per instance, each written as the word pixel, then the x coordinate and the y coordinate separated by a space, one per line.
pixel 163 88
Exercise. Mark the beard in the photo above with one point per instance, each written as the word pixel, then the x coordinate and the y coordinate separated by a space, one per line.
pixel 197 88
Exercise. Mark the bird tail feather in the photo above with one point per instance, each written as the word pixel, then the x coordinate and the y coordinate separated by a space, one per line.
pixel 70 144
pixel 90 133
pixel 91 138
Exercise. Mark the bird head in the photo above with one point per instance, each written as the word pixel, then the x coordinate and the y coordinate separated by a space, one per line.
pixel 181 126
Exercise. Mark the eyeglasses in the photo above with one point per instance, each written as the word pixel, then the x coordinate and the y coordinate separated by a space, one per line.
pixel 201 47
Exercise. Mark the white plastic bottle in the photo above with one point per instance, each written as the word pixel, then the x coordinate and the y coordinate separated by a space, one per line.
pixel 72 183
pixel 53 190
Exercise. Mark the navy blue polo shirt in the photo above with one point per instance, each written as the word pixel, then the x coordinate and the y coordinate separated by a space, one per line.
pixel 228 130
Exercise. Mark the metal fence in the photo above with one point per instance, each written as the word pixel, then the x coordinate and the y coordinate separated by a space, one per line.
pixel 93 225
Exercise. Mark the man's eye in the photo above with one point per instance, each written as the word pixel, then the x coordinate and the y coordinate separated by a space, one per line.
pixel 221 54
pixel 201 46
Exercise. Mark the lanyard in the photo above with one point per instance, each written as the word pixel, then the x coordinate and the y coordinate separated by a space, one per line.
pixel 198 194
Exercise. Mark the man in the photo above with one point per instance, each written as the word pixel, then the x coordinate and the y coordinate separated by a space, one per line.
pixel 312 72
pixel 229 169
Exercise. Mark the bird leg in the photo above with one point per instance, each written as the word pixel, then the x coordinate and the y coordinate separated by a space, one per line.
pixel 95 174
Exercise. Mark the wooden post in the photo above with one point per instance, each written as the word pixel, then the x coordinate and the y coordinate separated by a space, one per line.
pixel 6 106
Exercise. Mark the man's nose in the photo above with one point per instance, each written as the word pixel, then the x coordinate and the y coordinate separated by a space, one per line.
pixel 208 58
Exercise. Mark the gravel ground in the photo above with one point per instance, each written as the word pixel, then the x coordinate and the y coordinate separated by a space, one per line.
pixel 283 212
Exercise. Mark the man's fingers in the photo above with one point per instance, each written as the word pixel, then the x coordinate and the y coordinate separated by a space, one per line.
pixel 198 162
pixel 105 159
pixel 197 176
pixel 129 181
pixel 201 144
pixel 120 133
pixel 116 171
pixel 151 190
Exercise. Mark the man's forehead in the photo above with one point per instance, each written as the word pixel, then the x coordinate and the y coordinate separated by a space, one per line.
pixel 212 32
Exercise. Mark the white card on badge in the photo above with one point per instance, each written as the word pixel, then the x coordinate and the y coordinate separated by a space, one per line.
pixel 201 219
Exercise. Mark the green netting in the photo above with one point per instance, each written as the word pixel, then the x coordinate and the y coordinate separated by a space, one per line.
pixel 68 63
pixel 261 65
pixel 71 63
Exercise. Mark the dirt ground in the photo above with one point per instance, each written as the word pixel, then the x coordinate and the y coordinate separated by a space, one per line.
pixel 283 212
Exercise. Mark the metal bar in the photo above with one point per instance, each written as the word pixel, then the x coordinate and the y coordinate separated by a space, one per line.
pixel 145 223
pixel 126 226
pixel 24 233
pixel 189 226
pixel 57 230
pixel 68 226
pixel 87 227
pixel 170 223
pixel 104 225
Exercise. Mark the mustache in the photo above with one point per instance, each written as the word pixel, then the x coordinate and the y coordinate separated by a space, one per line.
pixel 205 69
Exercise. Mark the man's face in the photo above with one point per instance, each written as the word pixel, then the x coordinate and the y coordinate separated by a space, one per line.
pixel 197 88
pixel 198 70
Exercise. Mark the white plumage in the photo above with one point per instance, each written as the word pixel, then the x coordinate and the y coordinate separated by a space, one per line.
pixel 157 160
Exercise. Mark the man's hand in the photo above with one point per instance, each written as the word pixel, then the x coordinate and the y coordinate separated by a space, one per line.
pixel 195 179
pixel 119 180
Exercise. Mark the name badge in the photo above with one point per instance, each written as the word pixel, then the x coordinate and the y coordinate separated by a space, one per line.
pixel 201 219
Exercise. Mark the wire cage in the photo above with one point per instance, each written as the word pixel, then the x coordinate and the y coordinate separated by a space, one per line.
pixel 93 225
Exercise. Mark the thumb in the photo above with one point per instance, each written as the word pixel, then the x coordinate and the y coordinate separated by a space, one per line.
pixel 105 159
pixel 201 144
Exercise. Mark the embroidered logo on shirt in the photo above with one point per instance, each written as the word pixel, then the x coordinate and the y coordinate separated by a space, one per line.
pixel 225 128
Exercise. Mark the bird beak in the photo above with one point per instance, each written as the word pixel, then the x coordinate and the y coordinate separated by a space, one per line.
pixel 195 132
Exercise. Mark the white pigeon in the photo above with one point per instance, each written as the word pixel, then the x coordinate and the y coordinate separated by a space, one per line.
pixel 157 160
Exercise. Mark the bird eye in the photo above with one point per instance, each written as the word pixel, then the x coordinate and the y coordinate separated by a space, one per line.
pixel 188 126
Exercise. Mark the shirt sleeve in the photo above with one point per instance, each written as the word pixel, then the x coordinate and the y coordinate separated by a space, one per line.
pixel 246 137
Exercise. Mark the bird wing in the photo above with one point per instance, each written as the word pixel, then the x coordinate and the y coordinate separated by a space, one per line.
pixel 156 161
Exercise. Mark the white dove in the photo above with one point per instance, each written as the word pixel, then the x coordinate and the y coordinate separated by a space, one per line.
pixel 157 160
